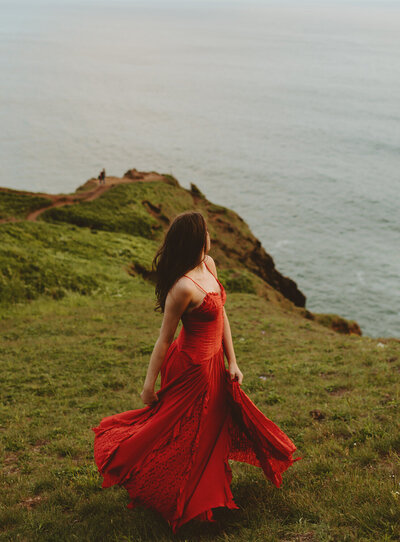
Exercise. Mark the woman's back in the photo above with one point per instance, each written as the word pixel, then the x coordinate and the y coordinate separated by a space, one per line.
pixel 202 330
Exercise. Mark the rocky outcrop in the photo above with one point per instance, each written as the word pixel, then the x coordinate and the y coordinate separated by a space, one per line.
pixel 262 264
pixel 335 322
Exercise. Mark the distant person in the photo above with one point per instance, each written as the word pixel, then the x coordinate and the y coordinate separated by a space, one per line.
pixel 102 176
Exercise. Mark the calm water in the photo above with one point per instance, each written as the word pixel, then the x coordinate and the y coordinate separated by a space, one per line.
pixel 287 112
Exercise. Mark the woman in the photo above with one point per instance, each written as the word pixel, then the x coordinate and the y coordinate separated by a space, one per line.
pixel 172 455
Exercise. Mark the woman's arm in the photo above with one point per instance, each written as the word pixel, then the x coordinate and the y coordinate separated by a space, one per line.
pixel 229 351
pixel 176 302
pixel 227 337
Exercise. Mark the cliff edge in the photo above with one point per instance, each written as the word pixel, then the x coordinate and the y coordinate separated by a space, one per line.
pixel 142 204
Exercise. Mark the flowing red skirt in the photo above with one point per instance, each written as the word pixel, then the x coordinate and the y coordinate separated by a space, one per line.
pixel 173 456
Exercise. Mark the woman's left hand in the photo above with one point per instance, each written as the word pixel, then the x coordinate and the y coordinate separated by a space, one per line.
pixel 234 371
pixel 149 397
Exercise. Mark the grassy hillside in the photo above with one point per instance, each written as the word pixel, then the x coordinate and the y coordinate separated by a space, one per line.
pixel 15 204
pixel 140 205
pixel 77 328
pixel 46 259
pixel 68 363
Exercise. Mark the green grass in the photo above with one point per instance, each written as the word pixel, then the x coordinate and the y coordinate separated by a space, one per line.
pixel 68 363
pixel 52 259
pixel 18 205
pixel 123 209
pixel 77 327
pixel 236 280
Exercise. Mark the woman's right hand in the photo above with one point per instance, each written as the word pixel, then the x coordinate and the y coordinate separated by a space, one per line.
pixel 148 397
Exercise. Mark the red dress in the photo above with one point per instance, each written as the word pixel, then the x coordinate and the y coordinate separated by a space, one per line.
pixel 173 456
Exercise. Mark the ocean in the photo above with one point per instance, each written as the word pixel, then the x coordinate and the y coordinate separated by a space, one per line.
pixel 285 111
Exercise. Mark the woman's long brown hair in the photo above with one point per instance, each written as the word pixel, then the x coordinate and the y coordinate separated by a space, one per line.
pixel 180 251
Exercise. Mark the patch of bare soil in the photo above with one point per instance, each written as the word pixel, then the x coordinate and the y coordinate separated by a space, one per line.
pixel 10 464
pixel 31 502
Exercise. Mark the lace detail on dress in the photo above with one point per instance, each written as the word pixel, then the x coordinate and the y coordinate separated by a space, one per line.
pixel 241 446
pixel 169 460
pixel 111 438
pixel 266 446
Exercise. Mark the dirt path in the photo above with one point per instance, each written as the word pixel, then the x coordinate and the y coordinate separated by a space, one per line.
pixel 60 201
pixel 85 195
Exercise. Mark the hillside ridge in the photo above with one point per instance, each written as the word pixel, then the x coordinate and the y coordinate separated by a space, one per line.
pixel 122 204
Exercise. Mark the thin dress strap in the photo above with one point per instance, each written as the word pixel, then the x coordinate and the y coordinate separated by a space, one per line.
pixel 216 278
pixel 196 283
pixel 211 271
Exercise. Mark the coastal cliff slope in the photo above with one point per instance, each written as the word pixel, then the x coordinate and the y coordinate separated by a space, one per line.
pixel 141 205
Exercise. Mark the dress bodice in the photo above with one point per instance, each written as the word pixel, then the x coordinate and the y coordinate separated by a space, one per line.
pixel 203 327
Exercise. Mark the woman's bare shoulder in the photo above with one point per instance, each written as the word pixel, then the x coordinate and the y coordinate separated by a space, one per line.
pixel 182 289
